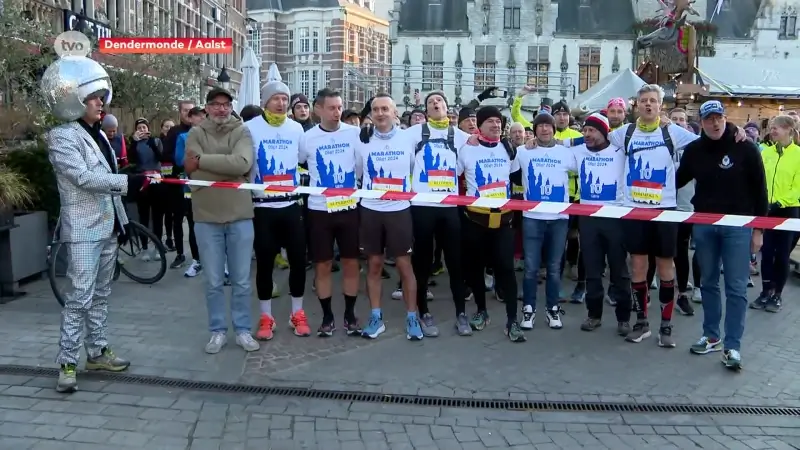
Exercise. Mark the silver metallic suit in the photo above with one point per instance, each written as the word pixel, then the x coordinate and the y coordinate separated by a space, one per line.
pixel 90 191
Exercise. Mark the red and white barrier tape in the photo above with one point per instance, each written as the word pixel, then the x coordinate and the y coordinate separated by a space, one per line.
pixel 612 212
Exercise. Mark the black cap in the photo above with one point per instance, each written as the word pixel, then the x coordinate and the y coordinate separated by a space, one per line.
pixel 349 114
pixel 544 119
pixel 560 107
pixel 216 92
pixel 298 99
pixel 466 113
pixel 488 112
pixel 196 111
pixel 141 120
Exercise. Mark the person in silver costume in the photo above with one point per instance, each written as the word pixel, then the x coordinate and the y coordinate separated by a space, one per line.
pixel 92 217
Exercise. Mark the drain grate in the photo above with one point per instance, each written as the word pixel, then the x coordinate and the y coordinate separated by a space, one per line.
pixel 411 400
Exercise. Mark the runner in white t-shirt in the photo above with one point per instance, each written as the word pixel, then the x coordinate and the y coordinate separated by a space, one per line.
pixel 278 218
pixel 330 151
pixel 384 163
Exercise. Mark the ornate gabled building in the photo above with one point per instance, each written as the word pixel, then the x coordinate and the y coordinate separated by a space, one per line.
pixel 560 47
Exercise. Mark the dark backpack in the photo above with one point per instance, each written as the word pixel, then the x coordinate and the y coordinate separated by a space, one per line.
pixel 664 133
pixel 450 141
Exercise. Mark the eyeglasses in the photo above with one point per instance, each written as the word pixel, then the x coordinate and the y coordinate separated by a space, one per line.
pixel 217 105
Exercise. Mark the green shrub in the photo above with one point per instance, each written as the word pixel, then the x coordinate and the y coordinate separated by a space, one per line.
pixel 32 163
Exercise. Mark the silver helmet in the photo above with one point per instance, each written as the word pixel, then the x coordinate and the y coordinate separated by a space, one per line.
pixel 69 81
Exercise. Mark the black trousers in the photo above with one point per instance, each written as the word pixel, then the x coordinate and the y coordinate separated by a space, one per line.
pixel 682 260
pixel 277 228
pixel 493 246
pixel 187 202
pixel 175 209
pixel 442 225
pixel 150 205
pixel 601 240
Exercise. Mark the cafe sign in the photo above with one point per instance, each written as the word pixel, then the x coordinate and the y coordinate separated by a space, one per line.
pixel 78 22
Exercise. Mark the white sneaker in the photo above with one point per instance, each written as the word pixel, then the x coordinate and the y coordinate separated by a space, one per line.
pixel 193 269
pixel 215 344
pixel 528 318
pixel 429 295
pixel 553 317
pixel 488 281
pixel 397 294
pixel 246 341
pixel 156 255
pixel 145 256
pixel 697 297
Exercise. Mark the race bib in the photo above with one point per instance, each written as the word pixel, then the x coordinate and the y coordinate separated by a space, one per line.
pixel 646 192
pixel 493 190
pixel 517 189
pixel 387 184
pixel 442 180
pixel 166 170
pixel 339 203
pixel 278 180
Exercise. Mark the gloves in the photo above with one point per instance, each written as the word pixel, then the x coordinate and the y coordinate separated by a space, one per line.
pixel 125 236
pixel 487 93
pixel 366 133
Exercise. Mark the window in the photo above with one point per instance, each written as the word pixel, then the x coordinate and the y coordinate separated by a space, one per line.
pixel 290 81
pixel 304 86
pixel 314 82
pixel 538 67
pixel 315 41
pixel 305 41
pixel 432 65
pixel 327 40
pixel 290 36
pixel 254 38
pixel 352 42
pixel 511 14
pixel 588 67
pixel 327 79
pixel 788 26
pixel 485 65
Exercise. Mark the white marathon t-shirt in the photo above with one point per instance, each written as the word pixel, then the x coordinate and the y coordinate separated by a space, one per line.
pixel 600 175
pixel 386 165
pixel 545 176
pixel 435 164
pixel 276 156
pixel 486 170
pixel 331 158
pixel 650 169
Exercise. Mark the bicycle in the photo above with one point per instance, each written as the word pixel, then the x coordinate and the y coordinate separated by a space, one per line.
pixel 58 258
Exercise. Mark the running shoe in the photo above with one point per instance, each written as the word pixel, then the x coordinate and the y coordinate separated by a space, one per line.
pixel 479 320
pixel 413 329
pixel 299 323
pixel 514 333
pixel 375 327
pixel 732 359
pixel 706 345
pixel 528 317
pixel 266 328
pixel 194 269
pixel 462 325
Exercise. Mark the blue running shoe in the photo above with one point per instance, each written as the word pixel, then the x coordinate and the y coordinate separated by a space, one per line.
pixel 413 329
pixel 374 328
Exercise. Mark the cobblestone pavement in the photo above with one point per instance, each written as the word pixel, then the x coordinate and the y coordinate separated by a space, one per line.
pixel 102 416
pixel 161 328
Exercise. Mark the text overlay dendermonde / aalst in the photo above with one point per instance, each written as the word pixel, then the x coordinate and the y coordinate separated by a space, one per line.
pixel 166 45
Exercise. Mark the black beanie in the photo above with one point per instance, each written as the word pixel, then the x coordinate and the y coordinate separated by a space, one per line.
pixel 544 119
pixel 560 107
pixel 488 112
pixel 466 113
pixel 297 99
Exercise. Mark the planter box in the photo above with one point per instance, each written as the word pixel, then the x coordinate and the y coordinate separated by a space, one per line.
pixel 28 242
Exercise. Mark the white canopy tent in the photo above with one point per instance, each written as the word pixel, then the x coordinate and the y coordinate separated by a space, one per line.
pixel 623 84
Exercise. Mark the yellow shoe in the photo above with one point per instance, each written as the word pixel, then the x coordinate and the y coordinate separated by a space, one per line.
pixel 281 263
pixel 275 291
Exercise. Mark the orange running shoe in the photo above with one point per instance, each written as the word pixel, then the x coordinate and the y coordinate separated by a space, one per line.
pixel 266 325
pixel 299 324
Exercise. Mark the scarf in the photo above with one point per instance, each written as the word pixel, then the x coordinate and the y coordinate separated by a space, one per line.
pixel 551 143
pixel 488 140
pixel 385 136
pixel 648 127
pixel 275 120
pixel 439 124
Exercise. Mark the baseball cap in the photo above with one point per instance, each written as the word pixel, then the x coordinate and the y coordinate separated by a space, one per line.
pixel 196 111
pixel 711 107
pixel 217 91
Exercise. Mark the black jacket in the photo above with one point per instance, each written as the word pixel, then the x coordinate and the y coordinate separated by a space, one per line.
pixel 168 156
pixel 730 175
pixel 153 142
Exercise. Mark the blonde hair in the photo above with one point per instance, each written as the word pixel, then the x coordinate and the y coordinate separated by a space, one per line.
pixel 787 121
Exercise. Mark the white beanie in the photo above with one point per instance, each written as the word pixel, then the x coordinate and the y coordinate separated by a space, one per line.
pixel 273 88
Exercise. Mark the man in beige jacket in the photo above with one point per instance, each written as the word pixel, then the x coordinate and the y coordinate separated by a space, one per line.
pixel 221 149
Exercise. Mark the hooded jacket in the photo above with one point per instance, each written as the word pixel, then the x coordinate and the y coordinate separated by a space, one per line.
pixel 226 154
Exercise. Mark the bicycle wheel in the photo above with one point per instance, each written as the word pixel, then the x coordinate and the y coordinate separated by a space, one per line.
pixel 137 262
pixel 57 261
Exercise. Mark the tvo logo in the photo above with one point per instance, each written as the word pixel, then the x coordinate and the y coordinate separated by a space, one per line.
pixel 72 43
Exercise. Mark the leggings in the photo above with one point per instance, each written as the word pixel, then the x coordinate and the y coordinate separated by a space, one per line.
pixel 277 228
pixel 150 206
pixel 192 238
pixel 176 208
pixel 775 255
pixel 495 245
pixel 443 226
pixel 682 260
